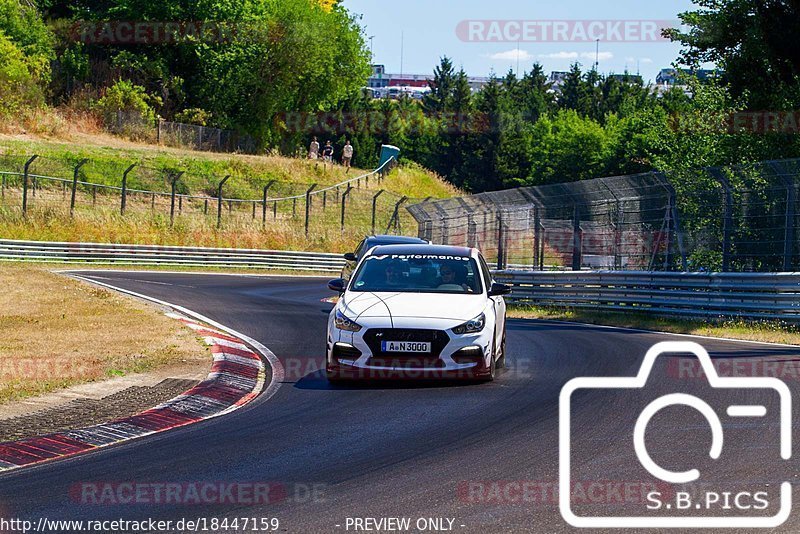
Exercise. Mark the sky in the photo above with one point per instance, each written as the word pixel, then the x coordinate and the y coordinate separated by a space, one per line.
pixel 464 30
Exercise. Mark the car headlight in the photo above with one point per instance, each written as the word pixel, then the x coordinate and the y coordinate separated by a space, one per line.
pixel 472 326
pixel 343 323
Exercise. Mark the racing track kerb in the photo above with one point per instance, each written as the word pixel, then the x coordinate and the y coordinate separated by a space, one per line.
pixel 236 378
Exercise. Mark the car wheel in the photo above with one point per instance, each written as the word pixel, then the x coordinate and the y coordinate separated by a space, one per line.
pixel 492 364
pixel 500 363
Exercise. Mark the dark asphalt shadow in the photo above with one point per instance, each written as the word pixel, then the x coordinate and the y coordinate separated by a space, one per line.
pixel 318 381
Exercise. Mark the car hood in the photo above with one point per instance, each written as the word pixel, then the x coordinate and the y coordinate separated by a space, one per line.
pixel 413 305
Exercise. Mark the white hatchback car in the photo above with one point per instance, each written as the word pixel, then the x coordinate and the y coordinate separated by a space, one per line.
pixel 416 312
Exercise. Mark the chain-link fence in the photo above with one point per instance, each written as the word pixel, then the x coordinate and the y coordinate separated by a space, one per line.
pixel 182 135
pixel 204 138
pixel 742 218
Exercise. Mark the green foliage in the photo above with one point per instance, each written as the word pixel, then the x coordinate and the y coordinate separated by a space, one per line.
pixel 129 99
pixel 196 116
pixel 24 27
pixel 569 147
pixel 751 40
pixel 26 48
pixel 18 81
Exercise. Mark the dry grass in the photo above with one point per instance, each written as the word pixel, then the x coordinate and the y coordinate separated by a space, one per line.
pixel 97 218
pixel 50 123
pixel 56 332
pixel 766 332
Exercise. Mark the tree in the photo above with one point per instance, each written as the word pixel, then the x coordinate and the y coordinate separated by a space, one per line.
pixel 441 87
pixel 749 40
pixel 534 94
pixel 572 90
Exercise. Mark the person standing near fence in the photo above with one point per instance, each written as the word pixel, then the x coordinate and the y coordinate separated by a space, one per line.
pixel 327 153
pixel 347 156
pixel 313 150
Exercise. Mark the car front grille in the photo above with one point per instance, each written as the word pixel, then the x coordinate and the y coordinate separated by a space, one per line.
pixel 437 338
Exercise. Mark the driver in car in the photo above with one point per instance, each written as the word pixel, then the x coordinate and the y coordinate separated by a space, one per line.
pixel 448 277
pixel 394 275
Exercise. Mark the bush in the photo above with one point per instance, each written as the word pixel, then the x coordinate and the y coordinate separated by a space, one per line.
pixel 19 85
pixel 128 109
pixel 197 116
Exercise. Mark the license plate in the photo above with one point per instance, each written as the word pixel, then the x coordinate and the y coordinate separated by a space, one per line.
pixel 406 346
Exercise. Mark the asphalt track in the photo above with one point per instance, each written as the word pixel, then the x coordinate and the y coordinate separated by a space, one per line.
pixel 417 450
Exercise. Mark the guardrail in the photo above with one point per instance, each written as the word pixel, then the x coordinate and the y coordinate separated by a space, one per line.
pixel 745 295
pixel 109 254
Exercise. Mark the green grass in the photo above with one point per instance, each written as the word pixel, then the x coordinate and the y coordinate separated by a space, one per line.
pixel 97 217
pixel 764 331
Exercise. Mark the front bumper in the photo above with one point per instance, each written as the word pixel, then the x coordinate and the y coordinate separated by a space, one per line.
pixel 351 356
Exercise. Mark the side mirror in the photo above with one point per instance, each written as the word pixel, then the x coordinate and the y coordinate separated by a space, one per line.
pixel 337 285
pixel 498 290
pixel 350 257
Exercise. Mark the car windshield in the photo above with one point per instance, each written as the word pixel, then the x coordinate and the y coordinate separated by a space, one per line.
pixel 419 273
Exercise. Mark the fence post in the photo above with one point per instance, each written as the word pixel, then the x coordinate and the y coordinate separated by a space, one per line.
pixel 219 201
pixel 374 206
pixel 395 220
pixel 727 219
pixel 577 242
pixel 75 185
pixel 174 185
pixel 124 201
pixel 324 199
pixel 536 237
pixel 152 202
pixel 275 210
pixel 789 231
pixel 3 188
pixel 308 204
pixel 94 196
pixel 205 206
pixel 472 231
pixel 344 202
pixel 25 185
pixel 264 205
pixel 500 241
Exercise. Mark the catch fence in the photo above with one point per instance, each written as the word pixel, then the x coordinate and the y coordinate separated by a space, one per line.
pixel 742 218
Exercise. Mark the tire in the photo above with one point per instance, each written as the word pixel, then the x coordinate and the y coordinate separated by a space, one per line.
pixel 500 363
pixel 492 365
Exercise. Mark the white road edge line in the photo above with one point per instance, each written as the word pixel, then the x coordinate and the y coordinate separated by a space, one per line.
pixel 277 373
pixel 322 274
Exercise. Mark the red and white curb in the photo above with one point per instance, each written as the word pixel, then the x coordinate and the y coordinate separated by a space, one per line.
pixel 238 375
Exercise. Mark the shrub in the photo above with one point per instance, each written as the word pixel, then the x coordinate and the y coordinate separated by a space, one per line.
pixel 197 116
pixel 127 109
pixel 19 84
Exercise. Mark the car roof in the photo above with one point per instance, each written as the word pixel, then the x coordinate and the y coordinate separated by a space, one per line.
pixel 435 250
pixel 392 239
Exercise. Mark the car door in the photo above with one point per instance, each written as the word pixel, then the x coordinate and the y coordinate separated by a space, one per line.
pixel 498 302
